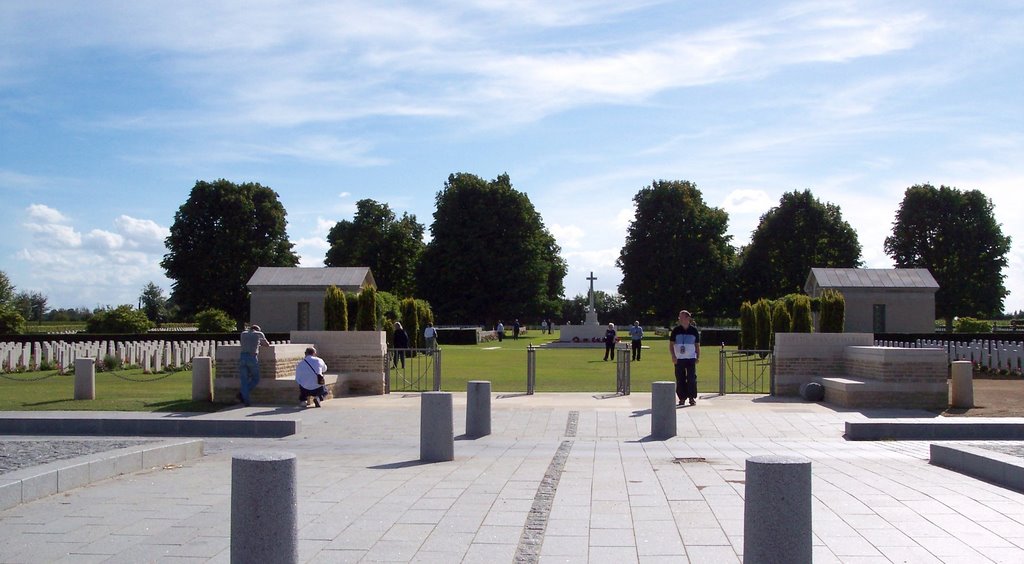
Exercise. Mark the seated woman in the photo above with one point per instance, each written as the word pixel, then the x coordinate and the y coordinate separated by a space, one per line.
pixel 309 376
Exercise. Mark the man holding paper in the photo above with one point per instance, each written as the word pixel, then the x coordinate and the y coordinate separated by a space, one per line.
pixel 684 346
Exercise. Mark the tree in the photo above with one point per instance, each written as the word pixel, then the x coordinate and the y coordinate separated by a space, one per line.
pixel 677 253
pixel 219 237
pixel 490 256
pixel 6 289
pixel 31 305
pixel 153 303
pixel 374 238
pixel 833 312
pixel 799 234
pixel 763 324
pixel 781 320
pixel 954 234
pixel 11 322
pixel 122 319
pixel 214 321
pixel 802 320
pixel 335 309
pixel 366 315
pixel 748 327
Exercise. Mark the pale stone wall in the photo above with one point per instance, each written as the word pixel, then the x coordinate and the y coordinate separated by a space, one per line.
pixel 892 364
pixel 355 365
pixel 907 310
pixel 800 357
pixel 277 309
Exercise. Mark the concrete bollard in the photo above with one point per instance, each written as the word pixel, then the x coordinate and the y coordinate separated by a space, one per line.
pixel 478 408
pixel 264 507
pixel 777 510
pixel 202 379
pixel 85 379
pixel 963 384
pixel 437 437
pixel 663 410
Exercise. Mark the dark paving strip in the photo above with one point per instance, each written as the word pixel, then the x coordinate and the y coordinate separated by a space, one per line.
pixel 572 423
pixel 532 538
pixel 18 454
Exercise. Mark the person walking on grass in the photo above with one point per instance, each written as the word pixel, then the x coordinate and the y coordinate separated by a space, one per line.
pixel 684 346
pixel 249 361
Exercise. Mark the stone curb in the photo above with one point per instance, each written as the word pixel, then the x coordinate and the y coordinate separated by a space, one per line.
pixel 50 478
pixel 924 431
pixel 178 425
pixel 993 467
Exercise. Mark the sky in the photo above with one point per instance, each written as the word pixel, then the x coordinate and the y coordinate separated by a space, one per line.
pixel 111 111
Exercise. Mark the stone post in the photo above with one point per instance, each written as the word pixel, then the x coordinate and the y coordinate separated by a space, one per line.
pixel 264 507
pixel 202 379
pixel 478 408
pixel 963 384
pixel 777 510
pixel 85 379
pixel 531 369
pixel 437 436
pixel 663 410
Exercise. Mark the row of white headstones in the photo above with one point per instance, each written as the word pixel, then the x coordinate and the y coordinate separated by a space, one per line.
pixel 992 355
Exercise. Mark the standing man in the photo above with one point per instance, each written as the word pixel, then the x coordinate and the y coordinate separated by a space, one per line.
pixel 249 362
pixel 684 346
pixel 636 335
pixel 401 340
pixel 609 341
pixel 515 330
pixel 430 336
pixel 500 330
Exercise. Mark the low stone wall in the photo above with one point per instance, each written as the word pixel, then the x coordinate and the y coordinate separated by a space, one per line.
pixel 802 357
pixel 856 374
pixel 355 365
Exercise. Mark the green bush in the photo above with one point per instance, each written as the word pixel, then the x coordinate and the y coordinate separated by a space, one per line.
pixel 122 319
pixel 802 322
pixel 366 315
pixel 335 310
pixel 424 315
pixel 388 309
pixel 833 311
pixel 410 320
pixel 109 362
pixel 763 324
pixel 214 321
pixel 11 322
pixel 781 321
pixel 971 325
pixel 352 305
pixel 748 327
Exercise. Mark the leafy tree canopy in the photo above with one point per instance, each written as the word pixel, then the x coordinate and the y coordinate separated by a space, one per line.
pixel 374 238
pixel 677 253
pixel 954 234
pixel 220 236
pixel 490 256
pixel 154 304
pixel 799 234
pixel 6 289
pixel 122 319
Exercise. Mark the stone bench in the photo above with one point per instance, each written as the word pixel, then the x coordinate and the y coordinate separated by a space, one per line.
pixel 854 392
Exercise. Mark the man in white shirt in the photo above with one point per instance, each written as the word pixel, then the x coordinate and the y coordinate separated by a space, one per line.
pixel 307 372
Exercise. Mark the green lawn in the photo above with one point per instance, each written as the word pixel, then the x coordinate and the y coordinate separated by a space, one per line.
pixel 564 370
pixel 123 390
pixel 503 364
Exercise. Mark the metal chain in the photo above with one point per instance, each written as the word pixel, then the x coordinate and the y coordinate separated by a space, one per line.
pixel 36 379
pixel 142 380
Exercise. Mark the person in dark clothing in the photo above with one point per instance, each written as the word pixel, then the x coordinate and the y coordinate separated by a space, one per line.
pixel 684 346
pixel 609 342
pixel 401 340
pixel 515 330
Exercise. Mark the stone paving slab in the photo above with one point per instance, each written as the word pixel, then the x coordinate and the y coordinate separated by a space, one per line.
pixel 619 497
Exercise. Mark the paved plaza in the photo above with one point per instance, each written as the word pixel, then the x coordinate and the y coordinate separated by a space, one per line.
pixel 561 478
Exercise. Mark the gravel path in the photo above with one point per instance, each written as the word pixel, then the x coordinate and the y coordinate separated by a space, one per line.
pixel 24 453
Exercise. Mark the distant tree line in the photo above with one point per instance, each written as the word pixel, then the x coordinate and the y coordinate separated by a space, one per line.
pixel 490 255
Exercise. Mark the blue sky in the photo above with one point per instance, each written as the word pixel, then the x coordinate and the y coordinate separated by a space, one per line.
pixel 110 112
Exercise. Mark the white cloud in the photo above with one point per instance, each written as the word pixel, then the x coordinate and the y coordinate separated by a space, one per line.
pixel 103 240
pixel 747 201
pixel 142 234
pixel 568 236
pixel 54 235
pixel 45 214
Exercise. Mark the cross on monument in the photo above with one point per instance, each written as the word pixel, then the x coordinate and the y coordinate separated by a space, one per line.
pixel 592 278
